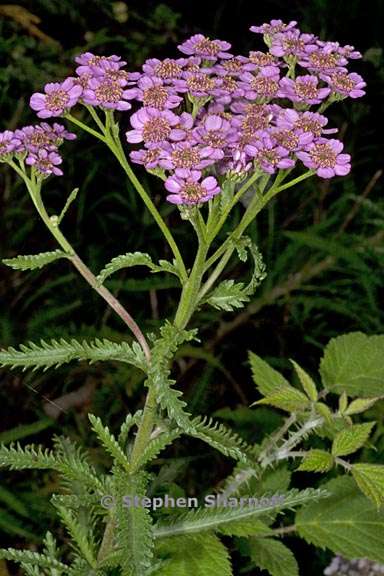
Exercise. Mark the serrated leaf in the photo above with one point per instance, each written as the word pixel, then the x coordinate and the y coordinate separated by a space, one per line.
pixel 266 378
pixel 219 437
pixel 229 294
pixel 354 363
pixel 34 261
pixel 360 405
pixel 57 352
pixel 134 259
pixel 346 522
pixel 273 556
pixel 306 381
pixel 200 555
pixel 324 411
pixel 370 480
pixel 286 398
pixel 349 440
pixel 316 461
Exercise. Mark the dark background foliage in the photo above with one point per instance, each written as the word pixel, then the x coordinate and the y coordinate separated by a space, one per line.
pixel 322 241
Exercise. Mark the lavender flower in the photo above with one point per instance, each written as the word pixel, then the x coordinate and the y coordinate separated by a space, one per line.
pixel 198 84
pixel 327 58
pixel 325 157
pixel 185 187
pixel 58 98
pixel 268 155
pixel 90 63
pixel 149 158
pixel 234 66
pixel 199 45
pixel 167 70
pixel 307 122
pixel 9 143
pixel 274 27
pixel 155 127
pixel 43 135
pixel 213 134
pixel 45 162
pixel 106 93
pixel 265 85
pixel 152 93
pixel 185 155
pixel 292 43
pixel 346 84
pixel 304 89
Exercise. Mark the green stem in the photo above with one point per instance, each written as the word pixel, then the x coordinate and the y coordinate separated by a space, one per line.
pixel 85 127
pixel 145 429
pixel 34 189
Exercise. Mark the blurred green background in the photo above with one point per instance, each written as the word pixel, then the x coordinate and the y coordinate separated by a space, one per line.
pixel 322 242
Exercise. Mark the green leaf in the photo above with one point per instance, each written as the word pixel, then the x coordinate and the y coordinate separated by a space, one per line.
pixel 266 378
pixel 346 522
pixel 134 534
pixel 28 557
pixel 200 555
pixel 57 352
pixel 134 259
pixel 25 430
pixel 109 442
pixel 316 461
pixel 229 294
pixel 360 405
pixel 324 411
pixel 286 398
pixel 306 381
pixel 71 198
pixel 349 440
pixel 370 480
pixel 34 261
pixel 273 556
pixel 354 363
pixel 220 438
pixel 221 517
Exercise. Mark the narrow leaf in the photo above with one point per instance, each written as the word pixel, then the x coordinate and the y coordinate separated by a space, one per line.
pixel 34 261
pixel 306 381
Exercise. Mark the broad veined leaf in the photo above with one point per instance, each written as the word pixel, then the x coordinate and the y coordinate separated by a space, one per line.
pixel 316 461
pixel 306 381
pixel 346 522
pixel 200 555
pixel 286 398
pixel 370 480
pixel 349 440
pixel 273 556
pixel 266 378
pixel 360 405
pixel 353 363
pixel 34 261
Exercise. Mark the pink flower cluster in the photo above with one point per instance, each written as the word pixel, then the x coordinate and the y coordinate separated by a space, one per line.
pixel 211 115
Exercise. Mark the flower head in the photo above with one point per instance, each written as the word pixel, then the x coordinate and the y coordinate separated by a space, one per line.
pixel 325 157
pixel 273 27
pixel 304 89
pixel 154 127
pixel 345 84
pixel 185 187
pixel 108 94
pixel 45 162
pixel 9 143
pixel 199 45
pixel 268 155
pixel 57 99
pixel 154 94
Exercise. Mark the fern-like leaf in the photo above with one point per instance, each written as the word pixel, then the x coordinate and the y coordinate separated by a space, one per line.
pixel 219 437
pixel 134 532
pixel 57 352
pixel 134 259
pixel 215 518
pixel 29 457
pixel 109 442
pixel 156 445
pixel 34 261
pixel 34 558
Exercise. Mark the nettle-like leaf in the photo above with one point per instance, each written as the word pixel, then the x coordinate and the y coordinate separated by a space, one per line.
pixel 273 556
pixel 219 518
pixel 34 261
pixel 316 461
pixel 135 259
pixel 266 378
pixel 306 381
pixel 229 295
pixel 200 555
pixel 370 480
pixel 353 363
pixel 349 440
pixel 360 405
pixel 347 522
pixel 286 398
pixel 57 352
